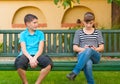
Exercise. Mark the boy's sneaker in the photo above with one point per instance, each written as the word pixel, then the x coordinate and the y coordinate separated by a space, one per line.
pixel 71 76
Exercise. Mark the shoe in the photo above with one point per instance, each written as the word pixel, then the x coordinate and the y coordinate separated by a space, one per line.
pixel 71 76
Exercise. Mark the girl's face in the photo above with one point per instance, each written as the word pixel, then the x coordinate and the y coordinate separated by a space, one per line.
pixel 88 24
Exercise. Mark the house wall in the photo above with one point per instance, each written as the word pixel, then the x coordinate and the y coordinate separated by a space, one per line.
pixel 50 16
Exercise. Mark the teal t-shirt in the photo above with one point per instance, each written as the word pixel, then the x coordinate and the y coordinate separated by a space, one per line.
pixel 31 41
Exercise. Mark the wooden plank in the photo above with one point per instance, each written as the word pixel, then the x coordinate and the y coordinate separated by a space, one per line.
pixel 4 43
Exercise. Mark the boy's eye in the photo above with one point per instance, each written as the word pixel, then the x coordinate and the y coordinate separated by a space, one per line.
pixel 35 22
pixel 90 22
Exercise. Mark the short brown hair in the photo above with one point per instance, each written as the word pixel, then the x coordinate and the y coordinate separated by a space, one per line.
pixel 89 16
pixel 29 18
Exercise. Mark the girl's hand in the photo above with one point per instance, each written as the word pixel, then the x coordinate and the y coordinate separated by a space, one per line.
pixel 86 46
pixel 93 47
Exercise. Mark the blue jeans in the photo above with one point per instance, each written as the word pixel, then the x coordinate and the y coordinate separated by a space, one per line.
pixel 85 61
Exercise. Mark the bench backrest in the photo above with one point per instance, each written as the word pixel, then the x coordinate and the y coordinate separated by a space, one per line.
pixel 112 42
pixel 57 42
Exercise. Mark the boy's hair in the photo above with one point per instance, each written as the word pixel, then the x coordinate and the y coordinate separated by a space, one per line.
pixel 29 18
pixel 89 16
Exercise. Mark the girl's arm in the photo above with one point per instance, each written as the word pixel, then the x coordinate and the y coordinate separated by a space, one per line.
pixel 76 48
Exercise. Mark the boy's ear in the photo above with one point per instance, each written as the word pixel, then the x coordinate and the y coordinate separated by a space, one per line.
pixel 93 21
pixel 27 23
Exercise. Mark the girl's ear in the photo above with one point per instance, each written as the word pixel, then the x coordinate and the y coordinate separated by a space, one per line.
pixel 83 23
pixel 95 24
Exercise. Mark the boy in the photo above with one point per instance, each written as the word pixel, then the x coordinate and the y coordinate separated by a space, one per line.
pixel 32 44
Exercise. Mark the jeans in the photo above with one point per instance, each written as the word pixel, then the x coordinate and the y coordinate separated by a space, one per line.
pixel 85 61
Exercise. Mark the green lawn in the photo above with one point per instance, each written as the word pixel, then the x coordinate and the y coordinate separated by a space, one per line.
pixel 59 77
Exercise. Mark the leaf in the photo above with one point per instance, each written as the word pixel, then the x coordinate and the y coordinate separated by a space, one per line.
pixel 117 2
pixel 72 4
pixel 78 1
pixel 110 1
pixel 65 4
pixel 56 2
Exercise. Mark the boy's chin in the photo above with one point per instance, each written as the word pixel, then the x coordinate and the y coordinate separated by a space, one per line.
pixel 34 28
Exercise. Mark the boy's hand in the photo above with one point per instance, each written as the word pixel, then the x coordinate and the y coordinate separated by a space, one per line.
pixel 33 62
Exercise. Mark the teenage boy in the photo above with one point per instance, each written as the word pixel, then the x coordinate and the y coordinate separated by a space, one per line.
pixel 32 44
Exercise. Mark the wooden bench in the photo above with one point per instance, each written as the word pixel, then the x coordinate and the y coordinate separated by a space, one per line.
pixel 58 45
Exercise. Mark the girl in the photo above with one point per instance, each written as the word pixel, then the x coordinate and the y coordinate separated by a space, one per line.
pixel 88 42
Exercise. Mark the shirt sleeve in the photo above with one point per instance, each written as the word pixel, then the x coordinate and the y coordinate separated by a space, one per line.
pixel 100 38
pixel 76 38
pixel 22 38
pixel 42 37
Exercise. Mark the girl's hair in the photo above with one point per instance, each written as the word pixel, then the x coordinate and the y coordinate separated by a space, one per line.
pixel 29 18
pixel 78 21
pixel 89 16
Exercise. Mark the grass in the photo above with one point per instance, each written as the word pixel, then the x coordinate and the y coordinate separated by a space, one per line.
pixel 59 77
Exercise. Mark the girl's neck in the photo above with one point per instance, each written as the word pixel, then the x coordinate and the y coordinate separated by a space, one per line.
pixel 88 30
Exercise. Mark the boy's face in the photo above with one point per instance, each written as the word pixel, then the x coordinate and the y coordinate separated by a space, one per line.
pixel 33 24
pixel 89 24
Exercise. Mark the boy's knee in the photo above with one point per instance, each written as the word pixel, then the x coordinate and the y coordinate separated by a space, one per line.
pixel 45 61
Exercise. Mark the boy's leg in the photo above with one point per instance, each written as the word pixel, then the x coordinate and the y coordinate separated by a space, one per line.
pixel 46 63
pixel 22 74
pixel 21 64
pixel 43 74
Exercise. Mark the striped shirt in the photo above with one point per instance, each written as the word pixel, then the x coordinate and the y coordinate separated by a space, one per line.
pixel 83 39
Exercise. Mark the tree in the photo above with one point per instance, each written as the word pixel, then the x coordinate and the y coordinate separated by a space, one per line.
pixel 115 9
pixel 70 3
pixel 115 15
pixel 66 3
pixel 114 1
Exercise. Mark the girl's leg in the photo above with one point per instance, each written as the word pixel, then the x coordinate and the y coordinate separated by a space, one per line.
pixel 84 57
pixel 82 60
pixel 88 72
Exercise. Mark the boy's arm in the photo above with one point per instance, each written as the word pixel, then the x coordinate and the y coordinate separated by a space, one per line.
pixel 23 47
pixel 40 50
pixel 32 61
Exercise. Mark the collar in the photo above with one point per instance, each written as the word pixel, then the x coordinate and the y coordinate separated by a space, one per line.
pixel 28 33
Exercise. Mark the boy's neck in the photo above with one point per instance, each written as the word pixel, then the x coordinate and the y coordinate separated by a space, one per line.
pixel 31 31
